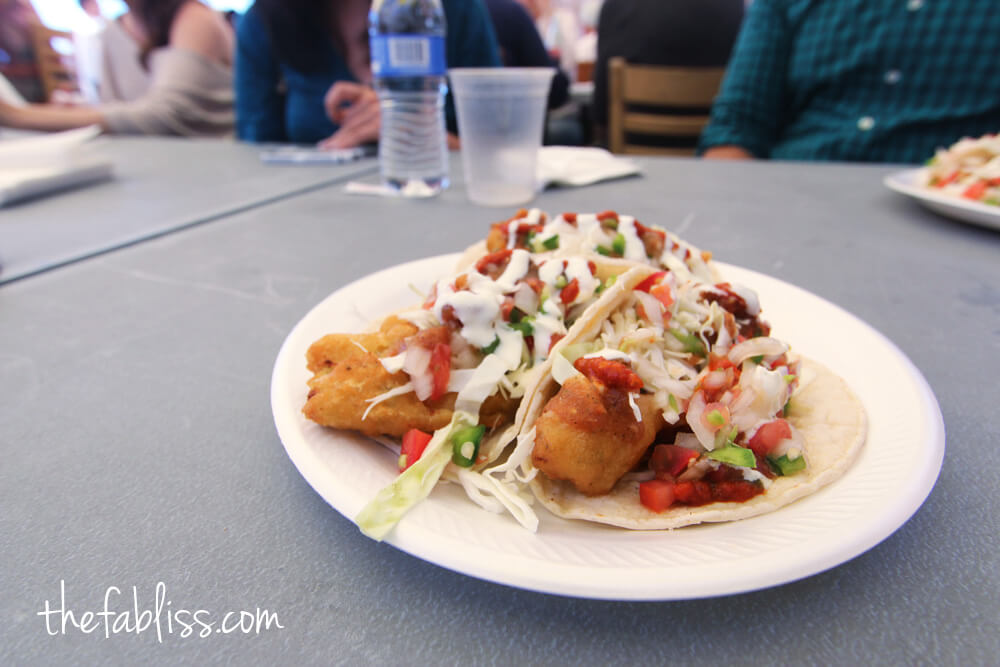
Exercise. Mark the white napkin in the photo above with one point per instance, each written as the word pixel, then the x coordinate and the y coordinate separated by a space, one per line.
pixel 46 163
pixel 557 165
pixel 9 94
pixel 580 165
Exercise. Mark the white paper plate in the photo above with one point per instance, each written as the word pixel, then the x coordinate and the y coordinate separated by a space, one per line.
pixel 908 183
pixel 889 481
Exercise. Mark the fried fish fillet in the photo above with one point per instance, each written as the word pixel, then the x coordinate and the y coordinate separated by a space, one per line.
pixel 347 372
pixel 588 435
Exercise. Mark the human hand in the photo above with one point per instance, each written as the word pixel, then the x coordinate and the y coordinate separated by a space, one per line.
pixel 727 152
pixel 6 113
pixel 355 108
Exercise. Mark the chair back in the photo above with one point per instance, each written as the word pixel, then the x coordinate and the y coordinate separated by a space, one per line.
pixel 55 53
pixel 684 93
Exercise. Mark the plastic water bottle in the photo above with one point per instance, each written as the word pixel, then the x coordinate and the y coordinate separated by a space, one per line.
pixel 408 67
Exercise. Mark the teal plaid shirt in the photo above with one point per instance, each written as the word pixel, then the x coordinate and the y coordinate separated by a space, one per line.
pixel 860 80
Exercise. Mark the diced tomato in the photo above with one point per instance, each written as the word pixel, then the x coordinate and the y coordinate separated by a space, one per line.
pixel 506 307
pixel 613 374
pixel 607 215
pixel 769 435
pixel 649 282
pixel 440 369
pixel 656 494
pixel 715 383
pixel 570 218
pixel 555 338
pixel 716 362
pixel 570 292
pixel 493 264
pixel 975 191
pixel 671 460
pixel 431 298
pixel 653 240
pixel 663 294
pixel 777 362
pixel 414 443
pixel 535 284
pixel 947 179
pixel 449 317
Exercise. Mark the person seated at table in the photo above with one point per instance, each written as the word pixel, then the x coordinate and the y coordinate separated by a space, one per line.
pixel 109 57
pixel 303 72
pixel 560 30
pixel 521 45
pixel 882 80
pixel 17 53
pixel 188 51
pixel 122 75
pixel 677 33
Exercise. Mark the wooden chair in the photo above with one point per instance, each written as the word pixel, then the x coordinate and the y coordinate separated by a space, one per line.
pixel 685 94
pixel 55 54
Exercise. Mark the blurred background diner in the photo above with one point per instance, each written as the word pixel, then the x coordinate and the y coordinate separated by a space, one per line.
pixel 303 71
pixel 182 85
pixel 884 80
pixel 874 81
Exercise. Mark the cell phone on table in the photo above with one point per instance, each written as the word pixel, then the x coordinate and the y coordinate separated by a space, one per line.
pixel 314 155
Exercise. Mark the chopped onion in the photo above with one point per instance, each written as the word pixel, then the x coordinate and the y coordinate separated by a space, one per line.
pixel 786 446
pixel 717 379
pixel 740 411
pixel 689 440
pixel 463 355
pixel 767 392
pixel 525 299
pixel 416 364
pixel 393 364
pixel 652 307
pixel 697 470
pixel 694 412
pixel 756 347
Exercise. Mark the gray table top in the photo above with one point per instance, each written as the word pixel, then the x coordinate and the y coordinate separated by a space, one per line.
pixel 159 185
pixel 139 448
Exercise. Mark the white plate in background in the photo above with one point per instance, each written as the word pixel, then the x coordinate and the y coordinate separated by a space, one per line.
pixel 909 182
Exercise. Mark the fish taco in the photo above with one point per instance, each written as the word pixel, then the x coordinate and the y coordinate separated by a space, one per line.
pixel 445 381
pixel 675 406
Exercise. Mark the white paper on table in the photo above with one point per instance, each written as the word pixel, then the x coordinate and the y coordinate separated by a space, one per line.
pixel 580 165
pixel 46 163
pixel 9 94
pixel 556 165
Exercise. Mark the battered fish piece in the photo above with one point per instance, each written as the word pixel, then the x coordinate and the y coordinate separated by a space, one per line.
pixel 347 371
pixel 588 435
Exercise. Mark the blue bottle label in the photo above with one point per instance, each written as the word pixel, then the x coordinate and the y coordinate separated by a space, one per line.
pixel 407 55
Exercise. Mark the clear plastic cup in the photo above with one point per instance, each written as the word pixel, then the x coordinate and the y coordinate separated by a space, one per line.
pixel 501 118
